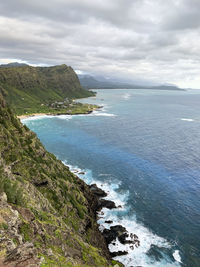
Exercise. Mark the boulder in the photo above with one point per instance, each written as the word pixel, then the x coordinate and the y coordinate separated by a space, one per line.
pixel 3 197
pixel 109 221
pixel 114 232
pixel 81 173
pixel 122 239
pixel 104 203
pixel 23 255
pixel 119 229
pixel 118 253
pixel 97 191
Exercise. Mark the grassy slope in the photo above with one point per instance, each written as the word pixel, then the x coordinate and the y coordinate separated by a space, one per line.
pixel 54 206
pixel 30 89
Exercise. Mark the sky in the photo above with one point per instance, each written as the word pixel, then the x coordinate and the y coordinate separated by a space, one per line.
pixel 155 40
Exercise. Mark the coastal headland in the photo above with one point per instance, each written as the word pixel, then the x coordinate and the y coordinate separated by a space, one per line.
pixel 48 215
pixel 79 109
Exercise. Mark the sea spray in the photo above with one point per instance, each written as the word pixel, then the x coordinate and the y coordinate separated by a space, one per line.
pixel 138 256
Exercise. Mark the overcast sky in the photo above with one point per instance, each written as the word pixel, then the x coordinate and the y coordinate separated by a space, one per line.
pixel 148 39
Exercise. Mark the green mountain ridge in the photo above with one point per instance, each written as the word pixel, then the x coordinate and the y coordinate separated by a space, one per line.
pixel 47 214
pixel 13 64
pixel 92 82
pixel 32 89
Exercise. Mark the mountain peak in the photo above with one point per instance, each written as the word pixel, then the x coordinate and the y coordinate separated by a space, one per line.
pixel 13 65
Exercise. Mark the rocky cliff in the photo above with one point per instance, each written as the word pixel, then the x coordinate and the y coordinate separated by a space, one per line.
pixel 47 214
pixel 27 87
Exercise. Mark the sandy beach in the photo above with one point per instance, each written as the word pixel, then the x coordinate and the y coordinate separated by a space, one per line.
pixel 31 115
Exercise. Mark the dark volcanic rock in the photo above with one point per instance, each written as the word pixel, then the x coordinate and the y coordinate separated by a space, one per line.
pixel 97 191
pixel 118 228
pixel 122 239
pixel 118 253
pixel 81 173
pixel 109 221
pixel 114 232
pixel 109 235
pixel 104 203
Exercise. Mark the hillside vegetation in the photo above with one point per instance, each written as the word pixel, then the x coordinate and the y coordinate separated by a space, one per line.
pixel 33 89
pixel 47 214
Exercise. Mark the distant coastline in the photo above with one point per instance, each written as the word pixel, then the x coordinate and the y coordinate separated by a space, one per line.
pixel 96 82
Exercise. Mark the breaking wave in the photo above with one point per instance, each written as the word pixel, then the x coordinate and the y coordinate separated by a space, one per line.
pixel 185 119
pixel 151 245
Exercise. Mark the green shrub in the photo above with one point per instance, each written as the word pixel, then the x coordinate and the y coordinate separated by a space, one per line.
pixel 78 207
pixel 26 230
pixel 14 192
pixel 37 146
pixel 4 226
pixel 13 157
pixel 26 128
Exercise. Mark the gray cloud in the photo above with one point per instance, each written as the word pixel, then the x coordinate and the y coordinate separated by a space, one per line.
pixel 154 39
pixel 184 16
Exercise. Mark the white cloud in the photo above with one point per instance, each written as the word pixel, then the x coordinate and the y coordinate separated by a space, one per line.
pixel 154 39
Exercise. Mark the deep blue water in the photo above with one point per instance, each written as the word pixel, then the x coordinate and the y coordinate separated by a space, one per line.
pixel 149 141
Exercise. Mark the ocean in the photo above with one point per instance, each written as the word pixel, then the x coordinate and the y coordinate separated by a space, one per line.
pixel 143 147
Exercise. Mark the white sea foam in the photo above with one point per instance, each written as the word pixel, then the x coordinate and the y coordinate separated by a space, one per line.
pixel 99 113
pixel 185 119
pixel 68 117
pixel 64 117
pixel 177 256
pixel 138 256
pixel 32 118
pixel 126 96
pixel 104 107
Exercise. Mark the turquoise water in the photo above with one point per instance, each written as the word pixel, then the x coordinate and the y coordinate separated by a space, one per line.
pixel 144 148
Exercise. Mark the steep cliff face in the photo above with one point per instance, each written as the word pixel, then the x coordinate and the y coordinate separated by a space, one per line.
pixel 47 214
pixel 26 86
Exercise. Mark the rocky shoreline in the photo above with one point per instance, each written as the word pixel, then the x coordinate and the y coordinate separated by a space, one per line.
pixel 117 231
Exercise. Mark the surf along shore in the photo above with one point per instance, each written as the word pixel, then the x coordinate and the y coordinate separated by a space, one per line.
pixel 21 117
pixel 85 109
pixel 114 233
pixel 117 232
